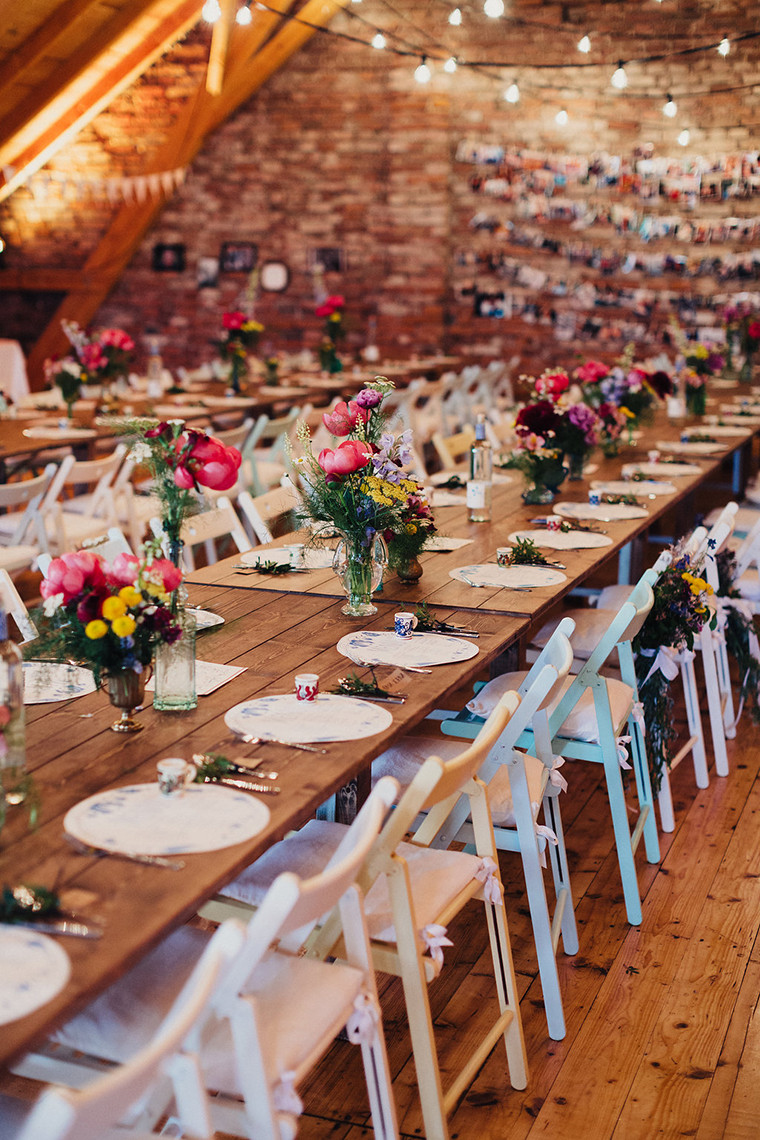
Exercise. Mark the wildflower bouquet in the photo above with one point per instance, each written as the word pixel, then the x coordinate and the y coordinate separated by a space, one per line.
pixel 240 335
pixel 541 465
pixel 738 624
pixel 679 612
pixel 96 358
pixel 331 310
pixel 560 418
pixel 695 387
pixel 611 424
pixel 107 618
pixel 359 489
pixel 632 389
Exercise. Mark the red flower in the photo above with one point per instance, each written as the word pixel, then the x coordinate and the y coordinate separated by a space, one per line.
pixel 344 417
pixel 753 330
pixel 203 460
pixel 347 457
pixel 117 338
pixel 553 385
pixel 540 418
pixel 234 320
pixel 591 372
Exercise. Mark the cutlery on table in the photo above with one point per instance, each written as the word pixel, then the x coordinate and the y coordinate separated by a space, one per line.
pixel 379 700
pixel 243 785
pixel 244 568
pixel 130 856
pixel 238 769
pixel 276 740
pixel 487 586
pixel 62 926
pixel 389 665
pixel 453 632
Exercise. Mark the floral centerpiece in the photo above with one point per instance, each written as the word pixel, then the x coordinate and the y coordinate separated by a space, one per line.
pixel 561 418
pixel 679 612
pixel 240 335
pixel 737 621
pixel 331 310
pixel 743 331
pixel 540 464
pixel 632 389
pixel 271 370
pixel 109 618
pixel 360 490
pixel 66 374
pixel 610 426
pixel 96 358
pixel 695 389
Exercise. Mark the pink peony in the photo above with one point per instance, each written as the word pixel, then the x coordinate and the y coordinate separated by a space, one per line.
pixel 167 572
pixel 753 330
pixel 123 570
pixel 553 385
pixel 117 338
pixel 347 457
pixel 5 715
pixel 206 462
pixel 344 417
pixel 71 574
pixel 591 372
pixel 92 357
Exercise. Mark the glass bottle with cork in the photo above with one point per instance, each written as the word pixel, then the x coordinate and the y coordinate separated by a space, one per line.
pixel 481 475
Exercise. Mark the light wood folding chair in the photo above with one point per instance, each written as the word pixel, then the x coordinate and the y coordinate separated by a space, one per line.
pixel 13 604
pixel 218 522
pixel 453 449
pixel 259 512
pixel 23 535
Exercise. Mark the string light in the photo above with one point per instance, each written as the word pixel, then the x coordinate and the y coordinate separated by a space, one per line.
pixel 561 117
pixel 423 74
pixel 244 16
pixel 684 137
pixel 670 109
pixel 2 243
pixel 494 8
pixel 378 41
pixel 450 65
pixel 211 11
pixel 512 94
pixel 619 77
pixel 724 47
pixel 455 17
pixel 584 45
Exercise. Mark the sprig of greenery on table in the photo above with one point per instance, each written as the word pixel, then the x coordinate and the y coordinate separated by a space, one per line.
pixel 272 567
pixel 25 902
pixel 211 766
pixel 701 437
pixel 627 500
pixel 427 623
pixel 524 552
pixel 354 686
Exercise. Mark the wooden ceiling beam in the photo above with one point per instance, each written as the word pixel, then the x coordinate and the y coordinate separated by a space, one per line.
pixel 220 42
pixel 201 115
pixel 33 49
pixel 48 130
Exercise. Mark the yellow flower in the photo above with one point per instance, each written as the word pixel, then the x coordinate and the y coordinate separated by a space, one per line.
pixel 701 352
pixel 113 608
pixel 124 626
pixel 411 528
pixel 628 414
pixel 130 596
pixel 95 629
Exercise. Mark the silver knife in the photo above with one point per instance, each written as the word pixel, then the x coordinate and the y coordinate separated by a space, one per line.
pixel 243 785
pixel 62 926
pixel 380 700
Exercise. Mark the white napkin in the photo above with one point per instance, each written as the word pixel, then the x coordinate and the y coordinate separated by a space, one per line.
pixel 208 677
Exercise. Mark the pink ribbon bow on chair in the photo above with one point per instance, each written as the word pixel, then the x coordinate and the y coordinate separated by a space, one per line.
pixel 487 874
pixel 434 937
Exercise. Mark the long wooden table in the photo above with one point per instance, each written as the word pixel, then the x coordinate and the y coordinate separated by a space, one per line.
pixel 73 754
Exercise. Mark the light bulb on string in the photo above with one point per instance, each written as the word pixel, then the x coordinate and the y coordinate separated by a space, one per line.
pixel 561 117
pixel 378 41
pixel 423 74
pixel 584 45
pixel 243 16
pixel 670 108
pixel 450 65
pixel 211 11
pixel 619 77
pixel 724 47
pixel 494 8
pixel 512 94
pixel 2 243
pixel 684 137
pixel 455 17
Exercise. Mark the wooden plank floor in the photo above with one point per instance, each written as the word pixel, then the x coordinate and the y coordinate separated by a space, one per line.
pixel 663 1021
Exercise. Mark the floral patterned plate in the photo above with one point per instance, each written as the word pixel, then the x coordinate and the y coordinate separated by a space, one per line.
pixel 604 512
pixel 420 650
pixel 46 681
pixel 661 470
pixel 35 969
pixel 638 487
pixel 502 577
pixel 331 717
pixel 557 540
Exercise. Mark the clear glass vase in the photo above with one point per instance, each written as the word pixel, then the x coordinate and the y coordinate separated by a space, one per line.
pixel 174 667
pixel 360 569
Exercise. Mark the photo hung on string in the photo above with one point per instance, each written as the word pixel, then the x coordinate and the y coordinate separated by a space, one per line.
pixel 238 257
pixel 168 258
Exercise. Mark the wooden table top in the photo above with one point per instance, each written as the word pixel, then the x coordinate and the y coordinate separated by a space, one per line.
pixel 72 755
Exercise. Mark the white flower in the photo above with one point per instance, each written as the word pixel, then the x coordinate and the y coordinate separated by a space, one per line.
pixel 51 604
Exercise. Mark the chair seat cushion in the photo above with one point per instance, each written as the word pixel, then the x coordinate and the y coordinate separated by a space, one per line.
pixel 580 724
pixel 749 585
pixel 437 877
pixel 590 625
pixel 17 557
pixel 405 759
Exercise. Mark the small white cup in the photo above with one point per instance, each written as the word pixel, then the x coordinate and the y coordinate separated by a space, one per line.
pixel 174 775
pixel 653 456
pixel 307 686
pixel 503 555
pixel 404 624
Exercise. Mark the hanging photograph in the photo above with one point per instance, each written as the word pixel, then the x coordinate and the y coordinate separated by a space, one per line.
pixel 168 258
pixel 238 257
pixel 332 259
pixel 208 272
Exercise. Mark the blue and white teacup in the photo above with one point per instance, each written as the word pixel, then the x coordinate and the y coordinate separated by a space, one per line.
pixel 404 624
pixel 594 498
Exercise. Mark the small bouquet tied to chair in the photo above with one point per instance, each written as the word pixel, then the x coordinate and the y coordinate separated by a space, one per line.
pixel 359 490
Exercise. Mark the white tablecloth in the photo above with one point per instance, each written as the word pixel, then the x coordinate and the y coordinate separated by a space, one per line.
pixel 13 378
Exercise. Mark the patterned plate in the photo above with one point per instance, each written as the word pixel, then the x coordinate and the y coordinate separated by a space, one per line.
pixel 605 512
pixel 331 717
pixel 638 487
pixel 206 619
pixel 501 577
pixel 420 650
pixel 139 819
pixel 35 969
pixel 46 681
pixel 715 429
pixel 661 470
pixel 691 447
pixel 559 540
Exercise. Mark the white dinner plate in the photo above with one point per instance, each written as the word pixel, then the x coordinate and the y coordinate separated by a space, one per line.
pixel 378 647
pixel 677 447
pixel 635 487
pixel 58 433
pixel 604 512
pixel 504 577
pixel 140 819
pixel 46 681
pixel 737 420
pixel 35 969
pixel 441 477
pixel 443 542
pixel 716 430
pixel 206 619
pixel 563 540
pixel 662 470
pixel 331 717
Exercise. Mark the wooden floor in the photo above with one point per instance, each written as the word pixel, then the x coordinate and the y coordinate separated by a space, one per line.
pixel 663 1021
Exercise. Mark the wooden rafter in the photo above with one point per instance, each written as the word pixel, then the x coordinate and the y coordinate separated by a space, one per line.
pixel 249 66
pixel 220 41
pixel 43 125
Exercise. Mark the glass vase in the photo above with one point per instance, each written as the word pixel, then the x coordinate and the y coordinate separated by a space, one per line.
pixel 696 400
pixel 409 570
pixel 745 372
pixel 126 691
pixel 360 569
pixel 575 466
pixel 175 668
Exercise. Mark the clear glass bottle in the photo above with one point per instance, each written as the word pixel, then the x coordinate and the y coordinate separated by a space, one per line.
pixel 12 730
pixel 481 475
pixel 175 669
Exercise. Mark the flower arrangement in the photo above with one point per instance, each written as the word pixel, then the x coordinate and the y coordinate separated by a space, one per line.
pixel 740 632
pixel 704 360
pixel 630 388
pixel 66 374
pixel 679 612
pixel 359 488
pixel 331 310
pixel 182 462
pixel 107 618
pixel 695 387
pixel 240 335
pixel 271 370
pixel 560 418
pixel 97 358
pixel 610 426
pixel 742 324
pixel 540 465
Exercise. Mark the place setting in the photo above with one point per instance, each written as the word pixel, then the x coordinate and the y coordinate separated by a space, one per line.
pixel 49 681
pixel 651 488
pixel 556 533
pixel 599 511
pixel 406 647
pixel 297 557
pixel 688 447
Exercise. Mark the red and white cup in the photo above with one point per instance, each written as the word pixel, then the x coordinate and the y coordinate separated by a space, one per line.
pixel 653 456
pixel 554 522
pixel 307 686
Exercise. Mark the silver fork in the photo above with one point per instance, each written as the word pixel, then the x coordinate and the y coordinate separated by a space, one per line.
pixel 485 586
pixel 389 665
pixel 132 856
pixel 276 740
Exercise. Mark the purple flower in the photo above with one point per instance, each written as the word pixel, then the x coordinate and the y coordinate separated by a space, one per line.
pixel 368 398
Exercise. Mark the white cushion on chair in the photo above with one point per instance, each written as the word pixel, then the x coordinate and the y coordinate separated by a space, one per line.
pixel 749 585
pixel 436 876
pixel 590 625
pixel 405 759
pixel 581 722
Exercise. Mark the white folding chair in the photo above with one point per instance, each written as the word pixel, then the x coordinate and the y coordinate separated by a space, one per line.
pixel 264 453
pixel 113 1105
pixel 23 535
pixel 13 604
pixel 259 512
pixel 86 513
pixel 107 545
pixel 218 522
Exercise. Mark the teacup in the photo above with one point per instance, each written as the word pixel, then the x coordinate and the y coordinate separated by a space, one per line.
pixel 653 456
pixel 404 624
pixel 594 498
pixel 554 522
pixel 174 775
pixel 503 555
pixel 307 686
